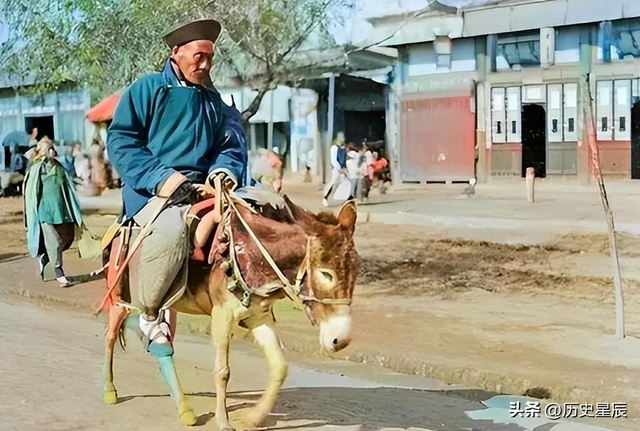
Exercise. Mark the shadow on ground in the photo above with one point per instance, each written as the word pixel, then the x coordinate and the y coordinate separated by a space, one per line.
pixel 369 409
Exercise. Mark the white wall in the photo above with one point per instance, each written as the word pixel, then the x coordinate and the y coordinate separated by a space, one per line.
pixel 422 58
pixel 243 97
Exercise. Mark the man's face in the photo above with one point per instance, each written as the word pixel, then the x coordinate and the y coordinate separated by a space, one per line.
pixel 194 60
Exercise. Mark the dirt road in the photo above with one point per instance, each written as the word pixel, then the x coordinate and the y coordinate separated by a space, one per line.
pixel 52 363
pixel 51 381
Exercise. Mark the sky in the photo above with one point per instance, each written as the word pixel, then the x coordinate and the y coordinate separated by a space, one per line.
pixel 356 29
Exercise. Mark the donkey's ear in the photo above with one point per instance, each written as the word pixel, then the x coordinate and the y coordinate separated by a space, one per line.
pixel 298 213
pixel 348 215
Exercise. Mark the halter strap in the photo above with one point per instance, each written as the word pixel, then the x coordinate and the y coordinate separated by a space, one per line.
pixel 292 290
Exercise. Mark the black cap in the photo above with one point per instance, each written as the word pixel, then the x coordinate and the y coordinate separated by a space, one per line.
pixel 205 29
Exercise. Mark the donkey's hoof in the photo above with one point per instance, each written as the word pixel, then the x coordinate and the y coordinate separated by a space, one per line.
pixel 111 397
pixel 188 418
pixel 225 427
pixel 252 419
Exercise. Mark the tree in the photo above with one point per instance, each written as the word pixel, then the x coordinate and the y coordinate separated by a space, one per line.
pixel 106 44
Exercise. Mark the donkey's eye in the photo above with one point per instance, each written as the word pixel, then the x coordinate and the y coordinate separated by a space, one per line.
pixel 327 275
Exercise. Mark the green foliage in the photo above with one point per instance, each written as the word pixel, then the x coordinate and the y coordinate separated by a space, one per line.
pixel 106 44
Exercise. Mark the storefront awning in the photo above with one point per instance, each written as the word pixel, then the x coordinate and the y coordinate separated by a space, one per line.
pixel 105 109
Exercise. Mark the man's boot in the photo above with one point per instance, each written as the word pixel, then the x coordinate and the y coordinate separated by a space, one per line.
pixel 156 334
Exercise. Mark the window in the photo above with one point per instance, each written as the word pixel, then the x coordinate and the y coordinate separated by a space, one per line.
pixel 514 108
pixel 621 109
pixel 514 51
pixel 604 110
pixel 619 40
pixel 561 108
pixel 441 56
pixel 421 59
pixel 570 111
pixel 568 44
pixel 498 115
pixel 442 47
pixel 554 112
pixel 613 102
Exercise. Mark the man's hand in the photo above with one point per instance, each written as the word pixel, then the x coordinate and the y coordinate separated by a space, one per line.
pixel 185 194
pixel 226 181
pixel 202 190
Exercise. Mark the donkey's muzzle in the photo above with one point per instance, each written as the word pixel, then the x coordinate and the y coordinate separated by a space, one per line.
pixel 335 333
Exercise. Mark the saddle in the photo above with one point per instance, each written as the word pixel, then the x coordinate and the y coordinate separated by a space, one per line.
pixel 201 220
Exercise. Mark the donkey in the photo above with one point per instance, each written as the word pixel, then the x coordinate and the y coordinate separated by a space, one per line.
pixel 235 286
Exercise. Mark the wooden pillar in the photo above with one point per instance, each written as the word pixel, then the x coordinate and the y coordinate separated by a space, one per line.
pixel 330 117
pixel 583 165
pixel 270 127
pixel 483 116
pixel 254 143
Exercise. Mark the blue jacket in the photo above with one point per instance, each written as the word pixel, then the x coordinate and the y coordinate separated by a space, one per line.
pixel 162 126
pixel 342 157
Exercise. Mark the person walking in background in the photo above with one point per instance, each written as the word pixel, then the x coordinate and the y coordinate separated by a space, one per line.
pixel 380 172
pixel 354 169
pixel 367 180
pixel 338 165
pixel 98 167
pixel 52 212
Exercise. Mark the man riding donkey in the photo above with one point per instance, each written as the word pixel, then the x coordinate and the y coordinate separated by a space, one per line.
pixel 172 139
pixel 171 135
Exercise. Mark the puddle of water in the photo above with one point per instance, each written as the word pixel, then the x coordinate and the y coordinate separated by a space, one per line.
pixel 498 411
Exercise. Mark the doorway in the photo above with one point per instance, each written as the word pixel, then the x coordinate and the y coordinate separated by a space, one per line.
pixel 361 125
pixel 635 141
pixel 534 140
pixel 44 125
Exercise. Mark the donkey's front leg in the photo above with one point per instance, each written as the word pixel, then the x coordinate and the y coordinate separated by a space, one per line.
pixel 221 323
pixel 265 335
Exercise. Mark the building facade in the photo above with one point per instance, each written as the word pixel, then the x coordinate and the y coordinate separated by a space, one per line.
pixel 59 115
pixel 492 89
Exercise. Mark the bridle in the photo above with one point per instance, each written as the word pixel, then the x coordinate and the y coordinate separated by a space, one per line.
pixel 293 291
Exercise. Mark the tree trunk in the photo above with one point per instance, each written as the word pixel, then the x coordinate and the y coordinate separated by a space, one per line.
pixel 611 230
pixel 255 103
pixel 587 39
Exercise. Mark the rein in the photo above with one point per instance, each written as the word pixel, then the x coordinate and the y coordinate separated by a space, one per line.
pixel 293 291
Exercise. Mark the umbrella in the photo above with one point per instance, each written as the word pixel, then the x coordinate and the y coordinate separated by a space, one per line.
pixel 16 138
pixel 105 109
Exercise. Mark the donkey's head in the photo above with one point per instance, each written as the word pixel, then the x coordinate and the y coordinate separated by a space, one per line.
pixel 332 267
